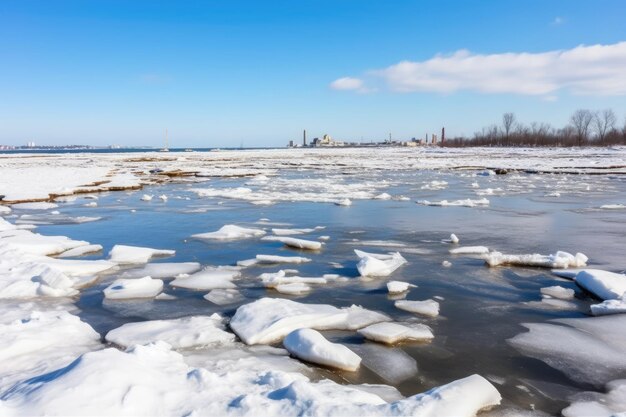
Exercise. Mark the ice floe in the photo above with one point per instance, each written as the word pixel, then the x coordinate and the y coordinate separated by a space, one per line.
pixel 294 288
pixel 207 279
pixel 80 251
pixel 35 206
pixel 456 203
pixel 294 243
pixel 603 284
pixel 123 254
pixel 378 265
pixel 122 289
pixel 268 320
pixel 558 292
pixel 180 333
pixel 611 404
pixel 390 333
pixel 609 307
pixel 469 250
pixel 428 308
pixel 396 287
pixel 275 259
pixel 559 260
pixel 163 270
pixel 224 296
pixel 311 346
pixel 231 232
pixel 289 232
pixel 146 197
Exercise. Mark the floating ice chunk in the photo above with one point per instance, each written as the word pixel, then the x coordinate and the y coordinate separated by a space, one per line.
pixel 163 197
pixel 454 238
pixel 165 297
pixel 428 307
pixel 383 196
pixel 395 287
pixel 27 242
pixel 311 346
pixel 224 296
pixel 247 263
pixel 80 251
pixel 145 287
pixel 274 259
pixel 435 185
pixel 588 350
pixel 604 284
pixel 272 280
pixel 393 365
pixel 470 250
pixel 446 264
pixel 35 206
pixel 345 202
pixel 180 333
pixel 611 404
pixel 231 232
pixel 613 206
pixel 294 288
pixel 268 320
pixel 294 243
pixel 609 307
pixel 207 279
pixel 146 197
pixel 324 237
pixel 378 265
pixel 559 260
pixel 163 270
pixel 458 203
pixel 91 204
pixel 288 232
pixel 123 254
pixel 558 292
pixel 394 332
pixel 567 273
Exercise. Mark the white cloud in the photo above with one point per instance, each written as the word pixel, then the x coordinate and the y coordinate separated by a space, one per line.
pixel 585 70
pixel 347 83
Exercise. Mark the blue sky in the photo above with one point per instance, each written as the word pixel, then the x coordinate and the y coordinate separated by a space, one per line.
pixel 223 73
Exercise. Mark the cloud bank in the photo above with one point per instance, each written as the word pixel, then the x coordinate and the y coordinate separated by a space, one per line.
pixel 584 70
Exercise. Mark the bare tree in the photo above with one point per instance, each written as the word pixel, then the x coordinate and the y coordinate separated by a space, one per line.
pixel 604 122
pixel 581 119
pixel 508 120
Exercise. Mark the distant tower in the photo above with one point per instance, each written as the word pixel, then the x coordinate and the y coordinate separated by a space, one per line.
pixel 304 137
pixel 443 135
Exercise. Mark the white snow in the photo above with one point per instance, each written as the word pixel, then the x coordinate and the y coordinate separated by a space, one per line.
pixel 275 259
pixel 611 404
pixel 274 279
pixel 454 238
pixel 558 292
pixel 456 203
pixel 396 287
pixel 186 332
pixel 559 260
pixel 80 251
pixel 394 332
pixel 294 243
pixel 35 206
pixel 311 346
pixel 207 279
pixel 428 307
pixel 224 296
pixel 268 320
pixel 123 254
pixel 378 265
pixel 146 197
pixel 346 202
pixel 609 307
pixel 294 288
pixel 231 232
pixel 122 289
pixel 604 284
pixel 613 206
pixel 469 250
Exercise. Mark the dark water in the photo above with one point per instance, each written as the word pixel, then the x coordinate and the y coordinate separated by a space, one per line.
pixel 481 308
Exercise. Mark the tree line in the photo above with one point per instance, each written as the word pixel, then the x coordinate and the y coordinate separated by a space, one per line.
pixel 585 128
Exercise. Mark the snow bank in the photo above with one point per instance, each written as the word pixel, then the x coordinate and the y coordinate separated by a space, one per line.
pixel 180 333
pixel 123 254
pixel 295 243
pixel 207 279
pixel 268 320
pixel 311 346
pixel 559 260
pixel 428 307
pixel 394 332
pixel 231 232
pixel 122 289
pixel 378 265
pixel 603 284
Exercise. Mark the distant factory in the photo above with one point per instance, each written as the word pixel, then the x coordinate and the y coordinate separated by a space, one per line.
pixel 327 141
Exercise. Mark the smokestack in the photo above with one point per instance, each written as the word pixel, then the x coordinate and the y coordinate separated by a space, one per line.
pixel 304 138
pixel 443 135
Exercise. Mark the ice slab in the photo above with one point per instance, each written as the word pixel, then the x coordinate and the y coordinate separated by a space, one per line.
pixel 122 289
pixel 186 332
pixel 611 404
pixel 609 307
pixel 289 232
pixel 163 270
pixel 207 279
pixel 272 280
pixel 123 254
pixel 275 259
pixel 294 243
pixel 376 265
pixel 231 232
pixel 311 346
pixel 559 260
pixel 268 320
pixel 604 284
pixel 35 206
pixel 559 292
pixel 224 296
pixel 394 332
pixel 456 203
pixel 80 251
pixel 469 250
pixel 293 288
pixel 428 307
pixel 396 287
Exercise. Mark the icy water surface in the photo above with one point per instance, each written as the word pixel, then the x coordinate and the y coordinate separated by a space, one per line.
pixel 481 307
